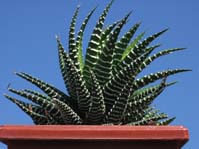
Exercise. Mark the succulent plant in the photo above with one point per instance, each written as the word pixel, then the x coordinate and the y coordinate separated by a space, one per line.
pixel 104 88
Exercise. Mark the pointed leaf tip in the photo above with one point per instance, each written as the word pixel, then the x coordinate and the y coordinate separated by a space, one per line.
pixel 183 48
pixel 5 95
pixel 165 30
pixel 9 97
pixel 130 12
pixel 139 23
pixel 8 85
pixel 17 73
pixel 56 37
pixel 172 83
pixel 187 69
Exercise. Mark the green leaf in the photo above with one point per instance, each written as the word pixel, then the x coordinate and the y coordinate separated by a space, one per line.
pixel 121 63
pixel 103 66
pixel 92 50
pixel 150 120
pixel 139 83
pixel 72 42
pixel 97 108
pixel 115 85
pixel 122 44
pixel 35 93
pixel 132 45
pixel 79 61
pixel 151 113
pixel 63 67
pixel 166 122
pixel 137 107
pixel 75 78
pixel 67 114
pixel 106 35
pixel 50 90
pixel 148 90
pixel 116 113
pixel 139 49
pixel 43 102
pixel 35 112
pixel 106 32
pixel 157 55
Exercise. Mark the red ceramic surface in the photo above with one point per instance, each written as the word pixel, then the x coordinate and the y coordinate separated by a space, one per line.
pixel 97 137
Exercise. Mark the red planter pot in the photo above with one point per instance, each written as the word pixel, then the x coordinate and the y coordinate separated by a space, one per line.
pixel 93 137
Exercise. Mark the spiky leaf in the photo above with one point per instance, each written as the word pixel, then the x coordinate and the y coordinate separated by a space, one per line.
pixel 97 108
pixel 50 90
pixel 72 42
pixel 79 61
pixel 43 102
pixel 122 44
pixel 104 64
pixel 67 114
pixel 35 112
pixel 92 50
pixel 139 83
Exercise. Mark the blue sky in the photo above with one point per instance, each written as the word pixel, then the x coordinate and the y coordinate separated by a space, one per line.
pixel 27 43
